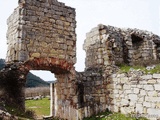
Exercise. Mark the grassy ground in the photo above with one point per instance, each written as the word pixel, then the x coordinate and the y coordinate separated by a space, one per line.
pixel 126 68
pixel 112 116
pixel 40 107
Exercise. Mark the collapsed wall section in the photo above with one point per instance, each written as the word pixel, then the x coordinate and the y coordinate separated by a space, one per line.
pixel 132 92
pixel 108 45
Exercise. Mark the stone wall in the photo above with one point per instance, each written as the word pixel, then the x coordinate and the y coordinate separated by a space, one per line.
pixel 41 36
pixel 12 85
pixel 107 45
pixel 91 92
pixel 40 30
pixel 135 92
pixel 13 34
pixel 132 93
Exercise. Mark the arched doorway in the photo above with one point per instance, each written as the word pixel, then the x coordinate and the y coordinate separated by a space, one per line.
pixel 39 92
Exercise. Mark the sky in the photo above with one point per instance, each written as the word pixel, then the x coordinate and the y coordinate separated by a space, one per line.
pixel 141 14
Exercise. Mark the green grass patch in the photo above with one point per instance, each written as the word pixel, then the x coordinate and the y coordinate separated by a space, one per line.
pixel 40 107
pixel 20 114
pixel 126 68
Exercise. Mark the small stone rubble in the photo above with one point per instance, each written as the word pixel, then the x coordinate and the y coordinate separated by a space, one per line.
pixel 6 116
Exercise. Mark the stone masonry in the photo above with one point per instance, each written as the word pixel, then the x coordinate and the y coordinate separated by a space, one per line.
pixel 42 31
pixel 135 92
pixel 41 36
pixel 106 45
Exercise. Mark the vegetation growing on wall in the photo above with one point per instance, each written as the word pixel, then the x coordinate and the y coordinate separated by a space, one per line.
pixel 153 69
pixel 107 115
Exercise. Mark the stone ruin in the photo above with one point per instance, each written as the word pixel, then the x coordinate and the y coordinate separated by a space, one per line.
pixel 41 36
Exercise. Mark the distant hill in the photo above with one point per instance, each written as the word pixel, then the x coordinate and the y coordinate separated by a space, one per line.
pixel 32 80
pixel 52 81
pixel 2 63
pixel 35 81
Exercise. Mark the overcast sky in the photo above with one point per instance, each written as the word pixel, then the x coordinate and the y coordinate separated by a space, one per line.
pixel 142 14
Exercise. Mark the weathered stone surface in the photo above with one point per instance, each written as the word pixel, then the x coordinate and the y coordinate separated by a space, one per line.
pixel 124 102
pixel 148 87
pixel 133 97
pixel 146 77
pixel 157 87
pixel 139 108
pixel 156 75
pixel 136 90
pixel 155 112
pixel 151 81
pixel 131 46
pixel 42 36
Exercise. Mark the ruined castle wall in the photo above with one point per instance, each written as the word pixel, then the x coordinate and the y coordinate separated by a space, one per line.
pixel 91 91
pixel 93 48
pixel 135 92
pixel 13 34
pixel 41 36
pixel 65 97
pixel 107 45
pixel 47 31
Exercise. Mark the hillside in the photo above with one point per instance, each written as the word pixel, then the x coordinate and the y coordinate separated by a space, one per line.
pixel 2 63
pixel 35 81
pixel 32 80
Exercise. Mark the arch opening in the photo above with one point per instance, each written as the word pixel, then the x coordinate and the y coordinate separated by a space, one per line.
pixel 38 92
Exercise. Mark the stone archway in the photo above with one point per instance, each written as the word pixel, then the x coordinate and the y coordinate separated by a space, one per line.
pixel 41 36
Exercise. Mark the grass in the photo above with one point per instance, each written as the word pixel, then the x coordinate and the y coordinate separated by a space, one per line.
pixel 126 68
pixel 112 116
pixel 40 107
pixel 21 115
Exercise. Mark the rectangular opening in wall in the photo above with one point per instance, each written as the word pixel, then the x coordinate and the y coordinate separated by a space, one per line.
pixel 38 93
pixel 136 39
pixel 137 48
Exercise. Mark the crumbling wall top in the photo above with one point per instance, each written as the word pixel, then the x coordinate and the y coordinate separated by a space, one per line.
pixel 42 31
pixel 108 45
